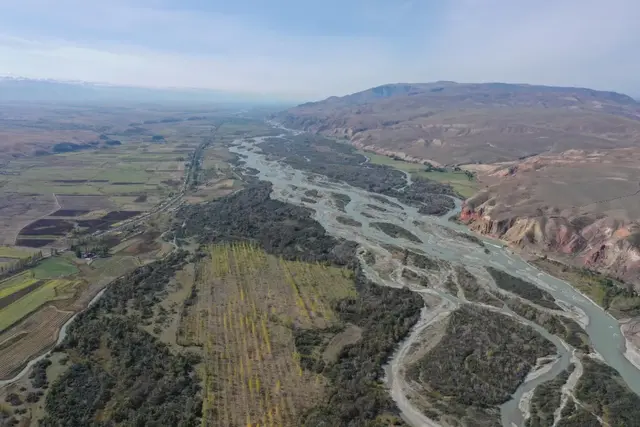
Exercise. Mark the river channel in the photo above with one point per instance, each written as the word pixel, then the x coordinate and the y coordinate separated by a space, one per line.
pixel 439 241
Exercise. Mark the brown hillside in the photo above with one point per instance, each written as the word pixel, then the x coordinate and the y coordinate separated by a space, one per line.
pixel 452 123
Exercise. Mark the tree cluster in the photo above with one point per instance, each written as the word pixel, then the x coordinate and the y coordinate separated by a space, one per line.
pixel 357 397
pixel 20 264
pixel 118 365
pixel 522 288
pixel 280 228
pixel 482 359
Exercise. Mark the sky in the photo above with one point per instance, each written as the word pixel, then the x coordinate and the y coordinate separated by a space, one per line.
pixel 311 49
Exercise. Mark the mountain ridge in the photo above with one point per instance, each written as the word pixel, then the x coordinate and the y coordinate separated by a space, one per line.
pixel 22 89
pixel 457 123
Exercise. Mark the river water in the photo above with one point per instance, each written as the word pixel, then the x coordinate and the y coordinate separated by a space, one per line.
pixel 440 241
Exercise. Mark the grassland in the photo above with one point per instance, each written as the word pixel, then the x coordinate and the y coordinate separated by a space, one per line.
pixel 457 179
pixel 243 311
pixel 13 252
pixel 54 267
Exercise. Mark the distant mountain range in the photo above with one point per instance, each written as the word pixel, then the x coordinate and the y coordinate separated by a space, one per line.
pixel 447 122
pixel 46 90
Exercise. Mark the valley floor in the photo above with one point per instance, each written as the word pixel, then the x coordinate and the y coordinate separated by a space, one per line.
pixel 311 298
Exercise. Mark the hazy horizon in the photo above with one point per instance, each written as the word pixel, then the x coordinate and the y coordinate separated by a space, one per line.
pixel 294 51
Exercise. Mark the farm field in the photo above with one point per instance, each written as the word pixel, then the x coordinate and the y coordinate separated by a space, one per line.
pixel 244 310
pixel 35 303
pixel 41 292
pixel 11 257
pixel 54 267
pixel 456 179
pixel 29 338
pixel 130 166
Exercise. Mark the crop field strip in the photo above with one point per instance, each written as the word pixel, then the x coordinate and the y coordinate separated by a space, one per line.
pixel 49 229
pixel 29 294
pixel 247 304
pixel 29 338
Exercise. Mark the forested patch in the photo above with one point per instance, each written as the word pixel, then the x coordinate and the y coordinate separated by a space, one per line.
pixel 481 360
pixel 341 200
pixel 348 221
pixel 418 260
pixel 567 329
pixel 522 288
pixel 396 231
pixel 142 383
pixel 356 396
pixel 280 228
pixel 119 372
pixel 604 392
pixel 473 291
pixel 546 399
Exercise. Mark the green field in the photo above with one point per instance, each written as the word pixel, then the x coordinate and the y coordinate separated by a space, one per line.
pixel 11 252
pixel 50 291
pixel 144 167
pixel 54 267
pixel 16 283
pixel 458 180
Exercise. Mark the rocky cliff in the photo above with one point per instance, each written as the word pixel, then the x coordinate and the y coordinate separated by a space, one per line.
pixel 605 244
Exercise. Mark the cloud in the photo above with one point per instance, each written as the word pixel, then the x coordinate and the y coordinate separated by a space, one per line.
pixel 567 42
pixel 311 52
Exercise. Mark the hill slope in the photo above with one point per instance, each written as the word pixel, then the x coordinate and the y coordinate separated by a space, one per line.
pixel 453 123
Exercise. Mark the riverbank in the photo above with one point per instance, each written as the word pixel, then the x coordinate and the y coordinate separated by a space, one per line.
pixel 562 271
pixel 630 330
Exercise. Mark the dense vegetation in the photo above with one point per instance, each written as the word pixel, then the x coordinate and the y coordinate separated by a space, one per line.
pixel 567 329
pixel 546 399
pixel 356 397
pixel 604 392
pixel 280 228
pixel 118 366
pixel 522 288
pixel 348 221
pixel 422 261
pixel 473 291
pixel 385 315
pixel 20 264
pixel 619 298
pixel 582 418
pixel 396 231
pixel 481 360
pixel 341 162
pixel 340 200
